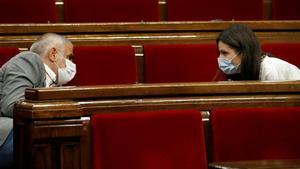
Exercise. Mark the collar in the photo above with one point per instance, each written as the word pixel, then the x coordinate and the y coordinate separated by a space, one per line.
pixel 50 77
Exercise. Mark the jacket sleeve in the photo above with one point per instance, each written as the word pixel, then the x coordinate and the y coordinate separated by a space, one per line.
pixel 25 71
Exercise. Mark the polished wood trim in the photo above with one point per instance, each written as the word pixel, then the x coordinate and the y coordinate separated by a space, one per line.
pixel 140 33
pixel 201 103
pixel 141 97
pixel 110 105
pixel 74 28
pixel 162 89
pixel 55 109
pixel 258 164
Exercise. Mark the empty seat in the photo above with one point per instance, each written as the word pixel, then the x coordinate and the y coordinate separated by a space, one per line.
pixel 98 65
pixel 204 10
pixel 171 139
pixel 285 9
pixel 6 53
pixel 255 133
pixel 180 63
pixel 27 11
pixel 111 10
pixel 285 50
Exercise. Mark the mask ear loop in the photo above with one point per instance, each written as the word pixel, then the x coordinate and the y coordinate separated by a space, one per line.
pixel 57 76
pixel 237 53
pixel 236 66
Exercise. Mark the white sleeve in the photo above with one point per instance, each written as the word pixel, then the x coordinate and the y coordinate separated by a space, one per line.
pixel 274 69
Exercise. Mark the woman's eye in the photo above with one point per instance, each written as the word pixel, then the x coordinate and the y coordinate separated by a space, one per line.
pixel 224 53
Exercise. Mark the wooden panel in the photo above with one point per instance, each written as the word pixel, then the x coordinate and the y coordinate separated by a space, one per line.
pixel 162 89
pixel 70 153
pixel 52 143
pixel 137 97
pixel 41 156
pixel 137 27
pixel 22 35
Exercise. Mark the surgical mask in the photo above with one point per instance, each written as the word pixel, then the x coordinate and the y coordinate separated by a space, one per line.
pixel 66 74
pixel 227 66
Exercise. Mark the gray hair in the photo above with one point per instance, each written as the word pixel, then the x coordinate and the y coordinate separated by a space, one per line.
pixel 48 41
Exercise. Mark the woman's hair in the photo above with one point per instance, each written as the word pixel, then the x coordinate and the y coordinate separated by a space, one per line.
pixel 48 41
pixel 243 40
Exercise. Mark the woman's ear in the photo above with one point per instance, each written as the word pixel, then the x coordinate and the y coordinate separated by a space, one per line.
pixel 52 54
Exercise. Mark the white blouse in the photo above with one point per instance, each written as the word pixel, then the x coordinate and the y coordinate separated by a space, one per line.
pixel 275 69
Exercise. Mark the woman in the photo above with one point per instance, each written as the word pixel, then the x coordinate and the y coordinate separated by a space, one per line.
pixel 241 56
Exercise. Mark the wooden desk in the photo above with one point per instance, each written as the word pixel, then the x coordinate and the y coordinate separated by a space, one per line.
pixel 261 164
pixel 52 126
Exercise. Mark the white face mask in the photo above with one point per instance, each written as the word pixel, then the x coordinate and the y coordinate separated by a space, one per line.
pixel 227 66
pixel 66 74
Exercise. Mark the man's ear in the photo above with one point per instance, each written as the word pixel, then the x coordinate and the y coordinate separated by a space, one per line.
pixel 52 54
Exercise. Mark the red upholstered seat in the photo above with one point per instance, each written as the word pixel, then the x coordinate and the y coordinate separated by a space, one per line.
pixel 255 133
pixel 287 51
pixel 286 9
pixel 111 10
pixel 104 65
pixel 6 53
pixel 203 10
pixel 28 11
pixel 148 140
pixel 180 62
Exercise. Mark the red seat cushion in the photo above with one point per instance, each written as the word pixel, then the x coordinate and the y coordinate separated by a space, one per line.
pixel 285 9
pixel 111 10
pixel 6 53
pixel 98 65
pixel 148 140
pixel 28 11
pixel 285 50
pixel 180 62
pixel 255 133
pixel 198 10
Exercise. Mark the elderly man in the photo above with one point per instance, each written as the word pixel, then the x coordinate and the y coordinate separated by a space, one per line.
pixel 47 64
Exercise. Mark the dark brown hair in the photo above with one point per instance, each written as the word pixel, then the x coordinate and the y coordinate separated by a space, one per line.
pixel 242 39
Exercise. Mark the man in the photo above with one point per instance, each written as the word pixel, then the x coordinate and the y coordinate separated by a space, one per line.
pixel 47 64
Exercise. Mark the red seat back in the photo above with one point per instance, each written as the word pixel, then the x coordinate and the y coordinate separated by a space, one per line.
pixel 255 133
pixel 171 139
pixel 28 11
pixel 6 53
pixel 111 10
pixel 284 50
pixel 180 62
pixel 203 10
pixel 285 9
pixel 98 65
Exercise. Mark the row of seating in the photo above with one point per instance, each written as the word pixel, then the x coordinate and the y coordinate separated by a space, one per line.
pixel 172 139
pixel 255 133
pixel 162 63
pixel 35 11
